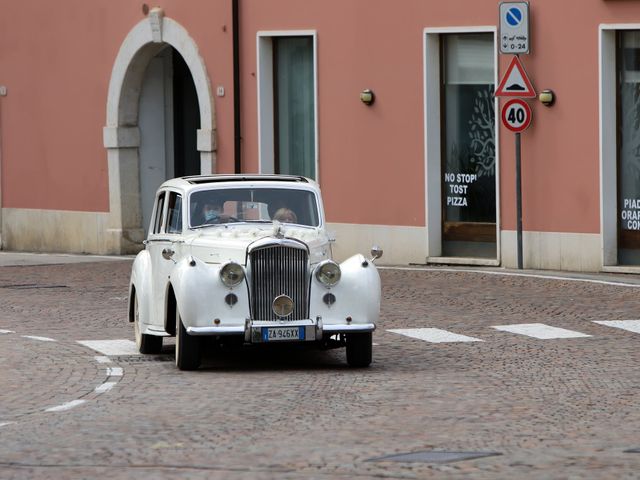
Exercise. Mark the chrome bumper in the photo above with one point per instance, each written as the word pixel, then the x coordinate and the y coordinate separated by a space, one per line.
pixel 252 329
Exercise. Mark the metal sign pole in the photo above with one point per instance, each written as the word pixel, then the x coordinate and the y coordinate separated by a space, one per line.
pixel 519 199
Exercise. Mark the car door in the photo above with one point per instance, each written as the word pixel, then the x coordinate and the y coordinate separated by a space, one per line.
pixel 163 244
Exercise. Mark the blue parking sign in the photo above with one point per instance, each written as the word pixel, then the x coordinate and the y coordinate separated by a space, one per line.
pixel 514 27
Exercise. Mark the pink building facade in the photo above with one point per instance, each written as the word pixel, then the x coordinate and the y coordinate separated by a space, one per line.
pixel 101 101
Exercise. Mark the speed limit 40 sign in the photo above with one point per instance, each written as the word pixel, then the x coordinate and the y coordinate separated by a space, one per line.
pixel 516 115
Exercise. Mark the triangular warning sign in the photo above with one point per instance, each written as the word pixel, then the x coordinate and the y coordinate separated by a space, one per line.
pixel 515 82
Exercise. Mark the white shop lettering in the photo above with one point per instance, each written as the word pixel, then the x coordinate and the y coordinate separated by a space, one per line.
pixel 459 189
pixel 632 225
pixel 466 178
pixel 630 215
pixel 457 201
pixel 458 184
pixel 631 203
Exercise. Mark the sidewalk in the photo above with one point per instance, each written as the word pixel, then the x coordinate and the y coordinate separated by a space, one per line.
pixel 597 277
pixel 17 259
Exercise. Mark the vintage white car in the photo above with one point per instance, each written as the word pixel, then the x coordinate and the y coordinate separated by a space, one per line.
pixel 247 259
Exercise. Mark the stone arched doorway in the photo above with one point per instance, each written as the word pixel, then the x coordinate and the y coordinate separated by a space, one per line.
pixel 122 136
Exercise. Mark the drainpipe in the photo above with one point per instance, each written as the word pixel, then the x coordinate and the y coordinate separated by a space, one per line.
pixel 237 139
pixel 3 92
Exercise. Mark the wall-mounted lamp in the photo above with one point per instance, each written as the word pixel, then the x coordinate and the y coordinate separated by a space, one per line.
pixel 547 98
pixel 367 96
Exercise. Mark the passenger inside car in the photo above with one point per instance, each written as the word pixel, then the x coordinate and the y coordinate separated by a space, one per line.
pixel 285 215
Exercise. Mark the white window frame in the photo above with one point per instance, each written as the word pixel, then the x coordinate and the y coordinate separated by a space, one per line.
pixel 432 145
pixel 608 146
pixel 266 129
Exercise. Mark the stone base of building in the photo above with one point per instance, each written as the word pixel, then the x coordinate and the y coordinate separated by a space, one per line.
pixel 575 252
pixel 58 231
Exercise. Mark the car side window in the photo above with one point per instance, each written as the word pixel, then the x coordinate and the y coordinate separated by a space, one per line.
pixel 174 213
pixel 157 221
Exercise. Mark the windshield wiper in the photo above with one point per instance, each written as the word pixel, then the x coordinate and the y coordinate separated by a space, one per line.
pixel 208 225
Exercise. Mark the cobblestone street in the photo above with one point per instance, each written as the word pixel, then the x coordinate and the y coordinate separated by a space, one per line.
pixel 551 392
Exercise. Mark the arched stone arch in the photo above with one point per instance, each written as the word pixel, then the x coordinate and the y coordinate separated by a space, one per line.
pixel 121 134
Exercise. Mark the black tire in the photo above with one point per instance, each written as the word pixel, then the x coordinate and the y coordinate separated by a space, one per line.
pixel 359 349
pixel 188 353
pixel 145 343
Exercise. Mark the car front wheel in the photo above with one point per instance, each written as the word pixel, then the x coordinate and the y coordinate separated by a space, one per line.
pixel 359 349
pixel 187 347
pixel 145 343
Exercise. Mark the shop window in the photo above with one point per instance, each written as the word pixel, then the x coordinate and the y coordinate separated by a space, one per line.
pixel 628 168
pixel 294 110
pixel 287 103
pixel 468 145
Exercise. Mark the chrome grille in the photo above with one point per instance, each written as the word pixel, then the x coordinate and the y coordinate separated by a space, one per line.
pixel 278 270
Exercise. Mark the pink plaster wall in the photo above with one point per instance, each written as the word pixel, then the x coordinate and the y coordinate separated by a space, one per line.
pixel 56 60
pixel 375 155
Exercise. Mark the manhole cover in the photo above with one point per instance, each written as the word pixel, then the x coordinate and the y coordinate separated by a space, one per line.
pixel 433 456
pixel 144 359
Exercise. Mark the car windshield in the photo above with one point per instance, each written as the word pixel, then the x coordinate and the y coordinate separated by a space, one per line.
pixel 259 205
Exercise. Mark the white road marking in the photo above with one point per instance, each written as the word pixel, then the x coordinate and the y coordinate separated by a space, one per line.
pixel 6 331
pixel 540 331
pixel 629 325
pixel 112 347
pixel 42 339
pixel 433 335
pixel 66 406
pixel 2 424
pixel 105 387
pixel 114 372
pixel 102 359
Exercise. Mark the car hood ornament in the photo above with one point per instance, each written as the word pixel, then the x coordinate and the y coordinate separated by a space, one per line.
pixel 277 229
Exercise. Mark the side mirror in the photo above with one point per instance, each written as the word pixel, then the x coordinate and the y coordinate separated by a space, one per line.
pixel 376 253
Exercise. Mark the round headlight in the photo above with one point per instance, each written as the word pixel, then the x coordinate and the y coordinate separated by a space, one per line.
pixel 328 273
pixel 231 274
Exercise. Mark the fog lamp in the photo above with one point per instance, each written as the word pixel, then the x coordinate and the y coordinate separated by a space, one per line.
pixel 329 299
pixel 231 274
pixel 282 306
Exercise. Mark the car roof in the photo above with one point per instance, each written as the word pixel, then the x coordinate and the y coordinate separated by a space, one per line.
pixel 188 182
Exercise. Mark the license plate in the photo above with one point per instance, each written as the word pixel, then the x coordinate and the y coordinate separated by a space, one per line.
pixel 282 334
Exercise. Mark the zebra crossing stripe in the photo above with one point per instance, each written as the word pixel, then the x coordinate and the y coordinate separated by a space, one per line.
pixel 540 331
pixel 112 347
pixel 41 339
pixel 629 325
pixel 433 335
pixel 66 406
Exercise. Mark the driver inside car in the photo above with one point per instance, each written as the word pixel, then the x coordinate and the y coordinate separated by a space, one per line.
pixel 211 212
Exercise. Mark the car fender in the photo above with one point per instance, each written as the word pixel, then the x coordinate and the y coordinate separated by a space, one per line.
pixel 200 295
pixel 141 281
pixel 357 294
